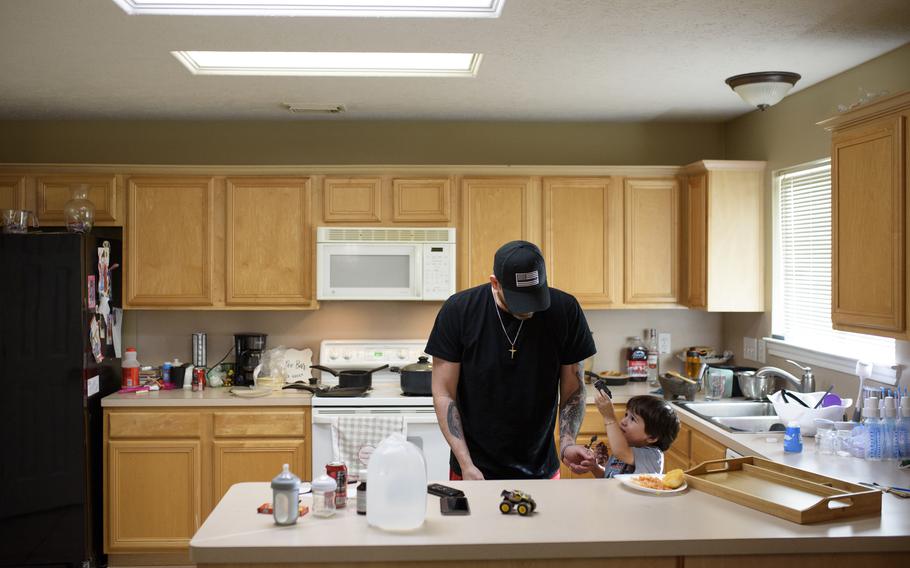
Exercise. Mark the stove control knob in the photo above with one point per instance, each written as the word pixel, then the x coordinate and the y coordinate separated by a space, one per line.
pixel 347 355
pixel 333 354
pixel 402 353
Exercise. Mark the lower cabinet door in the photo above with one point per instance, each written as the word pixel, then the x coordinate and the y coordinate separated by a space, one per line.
pixel 237 461
pixel 153 500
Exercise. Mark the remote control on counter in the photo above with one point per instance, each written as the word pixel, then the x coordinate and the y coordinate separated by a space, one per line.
pixel 440 490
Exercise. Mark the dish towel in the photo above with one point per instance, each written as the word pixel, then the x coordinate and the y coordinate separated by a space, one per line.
pixel 355 437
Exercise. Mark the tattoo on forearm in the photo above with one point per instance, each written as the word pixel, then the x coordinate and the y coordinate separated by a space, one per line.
pixel 571 413
pixel 453 420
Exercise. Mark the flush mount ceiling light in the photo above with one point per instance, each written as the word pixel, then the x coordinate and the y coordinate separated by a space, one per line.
pixel 763 89
pixel 330 64
pixel 331 8
pixel 304 108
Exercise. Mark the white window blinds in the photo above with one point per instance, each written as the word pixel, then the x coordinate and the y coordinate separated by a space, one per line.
pixel 802 276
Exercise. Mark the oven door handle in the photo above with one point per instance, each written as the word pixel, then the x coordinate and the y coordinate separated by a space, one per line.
pixel 429 418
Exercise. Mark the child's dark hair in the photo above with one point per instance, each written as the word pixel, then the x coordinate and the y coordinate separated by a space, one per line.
pixel 660 419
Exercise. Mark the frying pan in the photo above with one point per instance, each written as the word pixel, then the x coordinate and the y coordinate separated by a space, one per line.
pixel 322 390
pixel 352 377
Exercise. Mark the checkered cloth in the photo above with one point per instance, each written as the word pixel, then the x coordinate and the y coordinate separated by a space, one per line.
pixel 355 437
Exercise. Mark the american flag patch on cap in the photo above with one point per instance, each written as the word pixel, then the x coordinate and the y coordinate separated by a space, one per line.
pixel 526 279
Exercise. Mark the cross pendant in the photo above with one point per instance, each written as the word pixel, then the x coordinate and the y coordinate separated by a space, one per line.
pixel 512 350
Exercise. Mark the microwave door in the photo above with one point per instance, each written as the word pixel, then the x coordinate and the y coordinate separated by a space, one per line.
pixel 369 272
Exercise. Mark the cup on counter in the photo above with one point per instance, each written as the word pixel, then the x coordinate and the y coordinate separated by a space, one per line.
pixel 715 384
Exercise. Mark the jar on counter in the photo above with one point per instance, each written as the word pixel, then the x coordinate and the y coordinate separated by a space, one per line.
pixel 825 436
pixel 324 496
pixel 843 443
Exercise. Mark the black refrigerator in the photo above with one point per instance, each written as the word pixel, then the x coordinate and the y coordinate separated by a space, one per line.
pixel 50 399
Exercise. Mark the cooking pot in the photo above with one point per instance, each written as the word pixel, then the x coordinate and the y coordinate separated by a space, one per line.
pixel 417 378
pixel 755 387
pixel 352 377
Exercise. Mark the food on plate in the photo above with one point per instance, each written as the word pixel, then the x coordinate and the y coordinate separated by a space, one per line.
pixel 611 374
pixel 674 479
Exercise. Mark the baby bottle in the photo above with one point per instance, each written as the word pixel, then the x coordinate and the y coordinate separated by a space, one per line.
pixel 285 495
pixel 324 496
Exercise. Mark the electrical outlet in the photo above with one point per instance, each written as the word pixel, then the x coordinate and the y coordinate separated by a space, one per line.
pixel 762 351
pixel 750 348
pixel 663 343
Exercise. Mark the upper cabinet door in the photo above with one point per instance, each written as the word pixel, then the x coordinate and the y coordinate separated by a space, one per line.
pixel 869 229
pixel 651 241
pixel 421 200
pixel 582 238
pixel 169 241
pixel 494 212
pixel 696 241
pixel 12 192
pixel 54 191
pixel 269 242
pixel 352 199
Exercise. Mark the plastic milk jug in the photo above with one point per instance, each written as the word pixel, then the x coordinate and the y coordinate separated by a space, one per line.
pixel 397 499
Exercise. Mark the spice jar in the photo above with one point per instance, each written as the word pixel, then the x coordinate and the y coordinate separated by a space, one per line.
pixel 324 496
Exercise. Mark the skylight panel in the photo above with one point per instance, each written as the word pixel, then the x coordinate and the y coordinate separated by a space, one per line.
pixel 330 64
pixel 330 8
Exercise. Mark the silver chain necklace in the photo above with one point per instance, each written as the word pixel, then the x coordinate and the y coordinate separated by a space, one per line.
pixel 511 349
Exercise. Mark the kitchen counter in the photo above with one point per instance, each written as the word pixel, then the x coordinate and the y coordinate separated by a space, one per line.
pixel 218 396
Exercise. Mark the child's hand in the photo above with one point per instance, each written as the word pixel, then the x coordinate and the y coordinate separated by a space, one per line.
pixel 604 405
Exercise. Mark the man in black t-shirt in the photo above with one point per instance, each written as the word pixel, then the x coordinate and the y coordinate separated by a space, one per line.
pixel 505 361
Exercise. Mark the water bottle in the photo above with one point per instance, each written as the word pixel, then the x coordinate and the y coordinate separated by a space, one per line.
pixel 903 429
pixel 873 428
pixel 889 429
pixel 397 499
pixel 285 497
pixel 793 441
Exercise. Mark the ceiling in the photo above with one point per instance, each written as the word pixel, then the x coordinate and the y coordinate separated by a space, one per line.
pixel 543 60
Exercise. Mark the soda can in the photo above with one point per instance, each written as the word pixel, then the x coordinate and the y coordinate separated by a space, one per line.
pixel 339 472
pixel 199 356
pixel 199 378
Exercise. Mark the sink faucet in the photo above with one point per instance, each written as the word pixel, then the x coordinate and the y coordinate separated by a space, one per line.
pixel 805 384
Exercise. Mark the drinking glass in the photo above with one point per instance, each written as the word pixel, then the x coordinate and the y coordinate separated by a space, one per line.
pixel 714 389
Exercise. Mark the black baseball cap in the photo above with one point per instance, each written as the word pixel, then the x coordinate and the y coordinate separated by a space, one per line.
pixel 520 269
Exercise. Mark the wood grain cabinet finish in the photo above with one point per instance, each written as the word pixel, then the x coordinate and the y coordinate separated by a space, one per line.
pixel 494 211
pixel 154 494
pixel 12 192
pixel 870 167
pixel 239 461
pixel 582 238
pixel 52 193
pixel 269 242
pixel 421 200
pixel 703 448
pixel 724 252
pixel 169 241
pixel 651 241
pixel 352 199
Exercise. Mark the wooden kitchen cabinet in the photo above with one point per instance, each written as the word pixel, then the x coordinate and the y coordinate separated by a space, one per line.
pixel 724 236
pixel 692 448
pixel 53 191
pixel 169 241
pixel 421 200
pixel 582 238
pixel 870 168
pixel 651 241
pixel 592 424
pixel 494 211
pixel 12 192
pixel 677 455
pixel 352 199
pixel 269 242
pixel 166 469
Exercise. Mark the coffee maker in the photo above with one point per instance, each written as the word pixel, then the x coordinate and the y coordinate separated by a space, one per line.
pixel 248 348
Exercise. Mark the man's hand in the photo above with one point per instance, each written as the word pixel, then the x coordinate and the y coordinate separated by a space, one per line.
pixel 471 472
pixel 577 458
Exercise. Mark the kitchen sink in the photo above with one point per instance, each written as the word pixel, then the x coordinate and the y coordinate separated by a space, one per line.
pixel 736 416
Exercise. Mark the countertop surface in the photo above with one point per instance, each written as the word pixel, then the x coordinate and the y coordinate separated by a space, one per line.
pixel 218 396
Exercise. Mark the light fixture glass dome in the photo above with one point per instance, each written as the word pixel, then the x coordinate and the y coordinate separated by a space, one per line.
pixel 763 89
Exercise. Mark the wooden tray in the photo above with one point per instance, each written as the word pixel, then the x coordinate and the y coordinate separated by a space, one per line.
pixel 783 491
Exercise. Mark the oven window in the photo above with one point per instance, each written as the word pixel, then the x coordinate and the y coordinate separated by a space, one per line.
pixel 370 271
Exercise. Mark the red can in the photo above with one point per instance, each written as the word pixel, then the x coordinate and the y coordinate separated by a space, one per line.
pixel 339 472
pixel 198 379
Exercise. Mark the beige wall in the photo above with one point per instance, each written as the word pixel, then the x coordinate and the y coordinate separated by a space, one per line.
pixel 787 135
pixel 329 142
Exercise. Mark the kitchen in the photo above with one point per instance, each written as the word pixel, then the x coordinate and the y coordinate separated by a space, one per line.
pixel 52 142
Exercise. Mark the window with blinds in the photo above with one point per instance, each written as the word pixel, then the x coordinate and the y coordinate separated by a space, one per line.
pixel 802 275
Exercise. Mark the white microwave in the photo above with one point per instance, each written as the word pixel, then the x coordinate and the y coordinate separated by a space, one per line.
pixel 385 263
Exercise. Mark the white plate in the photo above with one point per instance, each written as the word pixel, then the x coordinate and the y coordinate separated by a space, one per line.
pixel 628 479
pixel 246 392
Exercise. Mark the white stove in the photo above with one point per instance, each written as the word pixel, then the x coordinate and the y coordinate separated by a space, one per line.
pixel 385 398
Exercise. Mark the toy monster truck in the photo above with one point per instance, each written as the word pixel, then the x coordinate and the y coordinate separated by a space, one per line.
pixel 518 501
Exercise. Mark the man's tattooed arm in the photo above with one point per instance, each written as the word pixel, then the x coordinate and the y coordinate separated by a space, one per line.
pixel 453 420
pixel 571 404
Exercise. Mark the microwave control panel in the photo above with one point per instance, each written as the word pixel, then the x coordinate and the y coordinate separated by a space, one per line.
pixel 438 271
